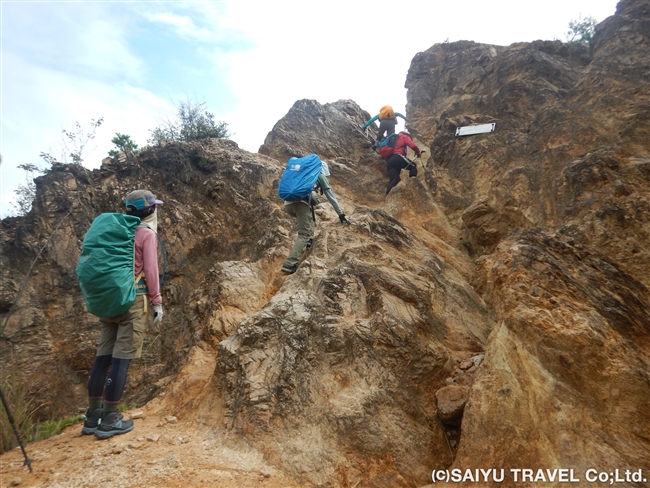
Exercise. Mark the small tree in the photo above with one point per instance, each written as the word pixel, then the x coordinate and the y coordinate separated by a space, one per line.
pixel 581 30
pixel 123 143
pixel 192 122
pixel 74 143
pixel 26 193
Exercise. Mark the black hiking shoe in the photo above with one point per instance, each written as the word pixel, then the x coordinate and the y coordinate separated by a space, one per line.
pixel 309 243
pixel 92 422
pixel 289 269
pixel 113 424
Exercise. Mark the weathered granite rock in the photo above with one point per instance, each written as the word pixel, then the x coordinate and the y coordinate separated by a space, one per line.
pixel 565 381
pixel 348 353
pixel 450 403
pixel 570 148
pixel 327 130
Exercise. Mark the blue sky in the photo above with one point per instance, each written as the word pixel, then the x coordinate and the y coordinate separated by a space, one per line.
pixel 248 60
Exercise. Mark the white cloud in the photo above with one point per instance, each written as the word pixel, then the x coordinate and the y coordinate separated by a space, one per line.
pixel 182 25
pixel 103 51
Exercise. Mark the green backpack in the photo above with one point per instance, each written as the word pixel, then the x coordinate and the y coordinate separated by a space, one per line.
pixel 105 267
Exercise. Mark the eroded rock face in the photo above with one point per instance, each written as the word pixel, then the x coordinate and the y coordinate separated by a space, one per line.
pixel 566 374
pixel 570 146
pixel 310 127
pixel 349 352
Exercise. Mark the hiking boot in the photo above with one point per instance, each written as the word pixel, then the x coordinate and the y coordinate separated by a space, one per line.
pixel 92 422
pixel 309 243
pixel 113 424
pixel 289 269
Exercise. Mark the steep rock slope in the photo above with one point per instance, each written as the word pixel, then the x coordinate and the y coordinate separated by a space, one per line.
pixel 570 149
pixel 565 377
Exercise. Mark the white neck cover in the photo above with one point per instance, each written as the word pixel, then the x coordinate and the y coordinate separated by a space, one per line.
pixel 152 220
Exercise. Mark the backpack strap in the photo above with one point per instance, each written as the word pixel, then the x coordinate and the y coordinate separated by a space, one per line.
pixel 311 205
pixel 409 163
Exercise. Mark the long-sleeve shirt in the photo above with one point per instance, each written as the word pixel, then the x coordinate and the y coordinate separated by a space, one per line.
pixel 402 141
pixel 324 184
pixel 146 258
pixel 370 121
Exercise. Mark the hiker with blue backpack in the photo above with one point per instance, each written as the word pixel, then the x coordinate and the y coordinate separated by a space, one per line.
pixel 118 275
pixel 393 149
pixel 298 185
pixel 387 122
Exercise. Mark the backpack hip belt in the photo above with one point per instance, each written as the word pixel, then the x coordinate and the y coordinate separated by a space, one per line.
pixel 141 288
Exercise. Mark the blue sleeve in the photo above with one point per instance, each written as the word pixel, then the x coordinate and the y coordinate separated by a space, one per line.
pixel 397 114
pixel 370 121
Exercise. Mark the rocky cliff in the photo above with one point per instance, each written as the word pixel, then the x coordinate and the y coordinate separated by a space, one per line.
pixel 491 313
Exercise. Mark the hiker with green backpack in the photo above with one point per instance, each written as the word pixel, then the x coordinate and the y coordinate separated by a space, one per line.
pixel 118 275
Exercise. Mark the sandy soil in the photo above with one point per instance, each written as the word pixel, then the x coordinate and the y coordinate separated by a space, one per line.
pixel 159 452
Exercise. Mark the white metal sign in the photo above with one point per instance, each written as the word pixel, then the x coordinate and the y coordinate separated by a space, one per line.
pixel 475 129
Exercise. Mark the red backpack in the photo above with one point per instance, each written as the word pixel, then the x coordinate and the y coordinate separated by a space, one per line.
pixel 387 146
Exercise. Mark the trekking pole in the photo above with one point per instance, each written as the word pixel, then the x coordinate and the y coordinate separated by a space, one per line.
pixel 415 161
pixel 28 462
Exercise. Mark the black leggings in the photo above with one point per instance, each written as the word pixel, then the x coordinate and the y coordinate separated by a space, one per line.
pixel 394 165
pixel 116 379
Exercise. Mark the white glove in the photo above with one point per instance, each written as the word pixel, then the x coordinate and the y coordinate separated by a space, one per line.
pixel 157 315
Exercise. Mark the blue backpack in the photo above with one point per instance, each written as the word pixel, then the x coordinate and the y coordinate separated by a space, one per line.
pixel 299 178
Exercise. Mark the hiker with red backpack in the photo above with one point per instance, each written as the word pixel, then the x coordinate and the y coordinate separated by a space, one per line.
pixel 387 122
pixel 393 150
pixel 123 311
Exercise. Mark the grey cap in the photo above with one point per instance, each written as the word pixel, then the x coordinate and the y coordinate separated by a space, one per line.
pixel 141 199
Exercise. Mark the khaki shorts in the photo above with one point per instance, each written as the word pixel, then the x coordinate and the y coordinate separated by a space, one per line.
pixel 122 336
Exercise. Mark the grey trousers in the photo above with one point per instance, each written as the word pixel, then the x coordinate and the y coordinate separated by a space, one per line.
pixel 387 126
pixel 302 212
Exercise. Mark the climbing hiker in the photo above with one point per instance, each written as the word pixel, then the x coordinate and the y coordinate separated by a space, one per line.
pixel 121 336
pixel 396 159
pixel 387 122
pixel 303 210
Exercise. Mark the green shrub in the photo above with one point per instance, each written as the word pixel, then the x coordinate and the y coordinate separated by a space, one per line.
pixel 581 30
pixel 26 193
pixel 23 410
pixel 123 143
pixel 193 122
pixel 52 427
